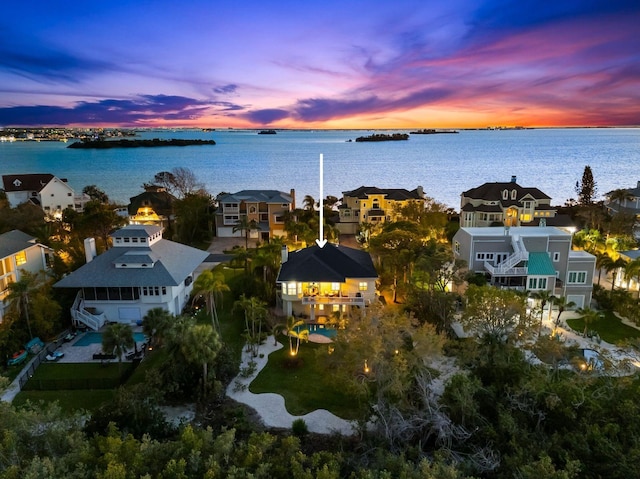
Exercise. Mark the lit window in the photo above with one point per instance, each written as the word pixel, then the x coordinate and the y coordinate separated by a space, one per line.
pixel 21 258
pixel 291 289
pixel 363 286
pixel 335 286
pixel 336 307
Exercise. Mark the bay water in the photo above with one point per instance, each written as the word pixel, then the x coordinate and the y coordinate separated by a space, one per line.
pixel 445 165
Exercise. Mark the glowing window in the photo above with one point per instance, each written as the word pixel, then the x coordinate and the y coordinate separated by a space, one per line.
pixel 363 286
pixel 21 258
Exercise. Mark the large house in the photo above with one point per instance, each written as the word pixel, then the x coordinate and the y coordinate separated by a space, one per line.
pixel 265 207
pixel 19 252
pixel 140 272
pixel 50 193
pixel 528 258
pixel 369 204
pixel 153 207
pixel 508 204
pixel 318 282
pixel 627 203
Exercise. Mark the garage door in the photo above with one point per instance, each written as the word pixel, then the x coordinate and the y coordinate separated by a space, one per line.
pixel 576 298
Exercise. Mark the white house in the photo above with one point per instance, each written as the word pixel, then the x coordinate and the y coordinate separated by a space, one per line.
pixel 528 258
pixel 140 272
pixel 19 252
pixel 50 193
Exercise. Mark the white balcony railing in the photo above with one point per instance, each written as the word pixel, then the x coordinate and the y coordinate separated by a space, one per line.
pixel 348 300
pixel 79 314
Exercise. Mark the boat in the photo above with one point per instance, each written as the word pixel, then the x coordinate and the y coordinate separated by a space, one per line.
pixel 267 132
pixel 18 357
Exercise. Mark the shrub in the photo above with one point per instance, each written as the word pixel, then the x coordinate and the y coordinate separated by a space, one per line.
pixel 299 428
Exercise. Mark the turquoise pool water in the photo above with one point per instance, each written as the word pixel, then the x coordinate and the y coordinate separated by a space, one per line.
pixel 319 329
pixel 96 338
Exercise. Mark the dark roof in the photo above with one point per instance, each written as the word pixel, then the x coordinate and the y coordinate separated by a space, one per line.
pixel 13 242
pixel 160 201
pixel 259 196
pixel 333 263
pixel 631 254
pixel 398 194
pixel 30 182
pixel 493 192
pixel 136 231
pixel 483 208
pixel 562 221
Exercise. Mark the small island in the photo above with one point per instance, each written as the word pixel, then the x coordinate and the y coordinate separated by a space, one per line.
pixel 267 132
pixel 104 144
pixel 383 137
pixel 431 131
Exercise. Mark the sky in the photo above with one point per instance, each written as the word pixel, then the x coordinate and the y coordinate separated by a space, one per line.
pixel 320 64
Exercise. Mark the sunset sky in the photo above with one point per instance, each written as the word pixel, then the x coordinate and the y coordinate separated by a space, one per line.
pixel 320 64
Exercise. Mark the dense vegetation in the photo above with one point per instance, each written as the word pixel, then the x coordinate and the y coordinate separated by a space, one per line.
pixel 103 144
pixel 383 137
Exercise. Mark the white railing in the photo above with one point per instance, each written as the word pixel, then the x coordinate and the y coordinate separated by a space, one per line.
pixel 357 300
pixel 501 271
pixel 78 313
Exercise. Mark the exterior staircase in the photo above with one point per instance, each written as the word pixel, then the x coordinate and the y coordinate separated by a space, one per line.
pixel 509 266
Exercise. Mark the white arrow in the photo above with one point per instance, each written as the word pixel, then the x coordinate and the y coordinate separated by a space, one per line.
pixel 321 241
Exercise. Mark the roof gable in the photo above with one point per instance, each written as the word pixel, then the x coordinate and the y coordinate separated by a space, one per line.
pixel 493 192
pixel 28 182
pixel 14 241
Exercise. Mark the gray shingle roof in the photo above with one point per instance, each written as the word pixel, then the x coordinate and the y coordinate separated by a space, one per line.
pixel 260 196
pixel 333 263
pixel 136 231
pixel 175 262
pixel 397 194
pixel 493 192
pixel 13 242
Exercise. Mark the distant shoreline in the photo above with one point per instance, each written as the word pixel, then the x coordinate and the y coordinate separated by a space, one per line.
pixel 106 144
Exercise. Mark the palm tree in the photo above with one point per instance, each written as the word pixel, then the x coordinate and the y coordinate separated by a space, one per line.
pixel 613 266
pixel 246 225
pixel 200 345
pixel 118 339
pixel 562 304
pixel 632 270
pixel 589 316
pixel 620 196
pixel 19 292
pixel 543 297
pixel 601 259
pixel 294 331
pixel 210 284
pixel 155 324
pixel 309 203
pixel 254 312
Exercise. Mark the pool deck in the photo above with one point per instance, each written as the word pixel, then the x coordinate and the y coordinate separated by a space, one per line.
pixel 84 354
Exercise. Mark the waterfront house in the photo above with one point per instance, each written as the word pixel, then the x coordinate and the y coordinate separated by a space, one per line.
pixel 505 204
pixel 626 200
pixel 370 204
pixel 528 258
pixel 153 207
pixel 316 283
pixel 19 252
pixel 140 272
pixel 265 207
pixel 46 191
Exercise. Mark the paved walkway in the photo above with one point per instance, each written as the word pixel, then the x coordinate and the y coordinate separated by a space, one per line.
pixel 271 406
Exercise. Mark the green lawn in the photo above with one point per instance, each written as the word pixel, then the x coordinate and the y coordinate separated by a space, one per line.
pixel 69 401
pixel 305 388
pixel 77 370
pixel 610 328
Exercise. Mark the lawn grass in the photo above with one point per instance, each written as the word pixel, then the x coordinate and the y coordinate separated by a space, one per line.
pixel 307 387
pixel 77 370
pixel 69 401
pixel 610 328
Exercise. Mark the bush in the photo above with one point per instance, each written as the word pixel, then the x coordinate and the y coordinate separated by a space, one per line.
pixel 299 428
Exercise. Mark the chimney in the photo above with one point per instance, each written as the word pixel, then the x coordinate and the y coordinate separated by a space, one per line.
pixel 420 191
pixel 292 193
pixel 285 254
pixel 90 249
pixel 513 178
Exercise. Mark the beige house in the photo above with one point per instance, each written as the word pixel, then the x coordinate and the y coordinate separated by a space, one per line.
pixel 370 204
pixel 19 252
pixel 266 207
pixel 47 191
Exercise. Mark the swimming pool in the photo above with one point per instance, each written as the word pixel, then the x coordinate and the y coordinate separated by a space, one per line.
pixel 319 329
pixel 96 338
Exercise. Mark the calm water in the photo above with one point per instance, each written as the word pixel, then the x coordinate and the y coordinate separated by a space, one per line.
pixel 445 165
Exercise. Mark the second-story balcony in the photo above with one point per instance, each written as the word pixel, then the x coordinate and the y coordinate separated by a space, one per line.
pixel 354 299
pixel 499 270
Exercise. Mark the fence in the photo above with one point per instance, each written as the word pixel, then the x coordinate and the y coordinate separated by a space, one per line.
pixel 81 383
pixel 38 359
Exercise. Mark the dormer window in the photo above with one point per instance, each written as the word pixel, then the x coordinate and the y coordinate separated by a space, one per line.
pixel 17 182
pixel 505 195
pixel 513 194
